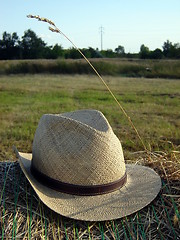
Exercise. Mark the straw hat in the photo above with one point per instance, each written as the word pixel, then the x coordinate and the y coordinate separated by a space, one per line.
pixel 77 169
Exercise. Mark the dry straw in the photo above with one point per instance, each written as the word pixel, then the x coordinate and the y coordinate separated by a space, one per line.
pixel 53 28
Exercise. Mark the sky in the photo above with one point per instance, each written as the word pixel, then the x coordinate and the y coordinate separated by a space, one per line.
pixel 129 23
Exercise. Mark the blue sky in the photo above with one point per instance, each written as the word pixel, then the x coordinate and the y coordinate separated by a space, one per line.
pixel 129 23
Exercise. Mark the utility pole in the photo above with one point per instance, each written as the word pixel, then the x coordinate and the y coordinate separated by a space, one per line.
pixel 101 32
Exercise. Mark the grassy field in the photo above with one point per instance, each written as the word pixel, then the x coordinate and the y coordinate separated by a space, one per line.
pixel 152 104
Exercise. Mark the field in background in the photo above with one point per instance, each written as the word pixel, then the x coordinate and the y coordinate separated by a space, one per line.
pixel 113 67
pixel 152 104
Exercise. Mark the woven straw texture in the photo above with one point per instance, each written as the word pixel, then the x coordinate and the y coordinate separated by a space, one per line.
pixel 81 148
pixel 78 148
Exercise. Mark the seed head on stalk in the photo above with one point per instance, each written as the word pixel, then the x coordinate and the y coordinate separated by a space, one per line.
pixel 41 19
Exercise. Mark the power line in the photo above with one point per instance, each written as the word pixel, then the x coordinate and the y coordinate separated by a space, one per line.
pixel 101 32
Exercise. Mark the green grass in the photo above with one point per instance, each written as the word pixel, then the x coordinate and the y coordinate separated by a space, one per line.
pixel 152 104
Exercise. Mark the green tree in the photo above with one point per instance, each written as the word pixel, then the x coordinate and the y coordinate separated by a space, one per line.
pixel 91 53
pixel 57 51
pixel 108 53
pixel 72 53
pixel 167 48
pixel 9 46
pixel 120 50
pixel 156 54
pixel 32 46
pixel 144 52
pixel 177 50
pixel 171 50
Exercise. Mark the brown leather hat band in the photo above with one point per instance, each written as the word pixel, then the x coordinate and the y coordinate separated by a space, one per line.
pixel 77 189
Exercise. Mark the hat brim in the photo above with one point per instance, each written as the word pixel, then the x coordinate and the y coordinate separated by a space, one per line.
pixel 143 185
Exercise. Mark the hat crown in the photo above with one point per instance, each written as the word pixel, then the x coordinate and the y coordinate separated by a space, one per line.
pixel 78 148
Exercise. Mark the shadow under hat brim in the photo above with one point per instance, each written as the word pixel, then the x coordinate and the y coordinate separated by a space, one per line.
pixel 143 185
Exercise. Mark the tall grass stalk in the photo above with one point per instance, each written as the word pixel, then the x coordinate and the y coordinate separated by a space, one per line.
pixel 89 231
pixel 58 229
pixel 101 230
pixel 128 227
pixel 133 229
pixel 54 28
pixel 158 227
pixel 141 226
pixel 172 200
pixel 16 193
pixel 43 223
pixel 65 230
pixel 125 234
pixel 169 218
pixel 29 213
pixel 118 236
pixel 2 201
pixel 113 230
pixel 3 189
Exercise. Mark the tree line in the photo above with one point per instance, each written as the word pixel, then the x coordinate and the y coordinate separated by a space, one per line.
pixel 30 46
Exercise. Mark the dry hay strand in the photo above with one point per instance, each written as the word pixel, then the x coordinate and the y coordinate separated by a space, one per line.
pixel 167 164
pixel 24 216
